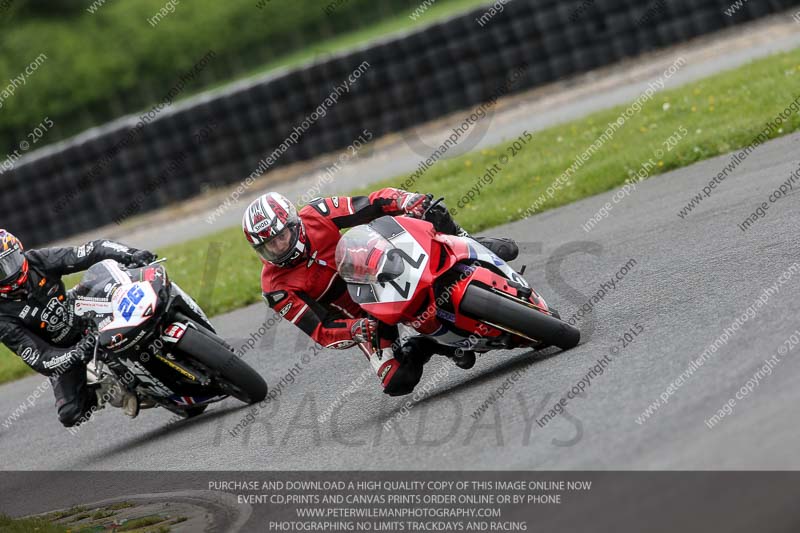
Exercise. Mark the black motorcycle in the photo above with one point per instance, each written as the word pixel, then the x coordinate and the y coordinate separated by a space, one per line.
pixel 154 340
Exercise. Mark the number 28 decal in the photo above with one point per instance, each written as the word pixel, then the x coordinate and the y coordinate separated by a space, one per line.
pixel 128 304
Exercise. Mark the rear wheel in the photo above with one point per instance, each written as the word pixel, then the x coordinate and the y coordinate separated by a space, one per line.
pixel 514 316
pixel 232 375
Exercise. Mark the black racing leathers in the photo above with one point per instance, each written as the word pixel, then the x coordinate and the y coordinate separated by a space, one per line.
pixel 43 329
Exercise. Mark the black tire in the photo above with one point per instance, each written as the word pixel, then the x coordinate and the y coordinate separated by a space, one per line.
pixel 515 316
pixel 197 410
pixel 231 374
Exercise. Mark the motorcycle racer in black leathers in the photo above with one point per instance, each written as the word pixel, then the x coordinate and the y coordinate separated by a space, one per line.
pixel 37 320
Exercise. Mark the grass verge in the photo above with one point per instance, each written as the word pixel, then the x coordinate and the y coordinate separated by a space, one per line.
pixel 101 519
pixel 720 114
pixel 381 30
pixel 26 525
pixel 100 59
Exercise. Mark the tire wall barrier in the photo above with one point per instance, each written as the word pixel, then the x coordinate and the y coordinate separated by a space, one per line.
pixel 133 165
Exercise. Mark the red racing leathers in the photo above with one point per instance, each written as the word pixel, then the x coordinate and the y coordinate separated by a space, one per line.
pixel 311 295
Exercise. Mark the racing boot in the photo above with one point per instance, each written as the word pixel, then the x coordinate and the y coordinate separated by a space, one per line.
pixel 439 216
pixel 462 358
pixel 505 249
pixel 411 356
pixel 130 405
pixel 110 391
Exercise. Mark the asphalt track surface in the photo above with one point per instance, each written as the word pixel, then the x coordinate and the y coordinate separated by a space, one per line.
pixel 692 278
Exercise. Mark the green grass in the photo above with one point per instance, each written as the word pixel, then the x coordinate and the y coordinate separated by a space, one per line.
pixel 82 516
pixel 28 525
pixel 721 113
pixel 97 521
pixel 60 515
pixel 103 65
pixel 11 368
pixel 384 28
pixel 101 514
pixel 142 522
pixel 120 505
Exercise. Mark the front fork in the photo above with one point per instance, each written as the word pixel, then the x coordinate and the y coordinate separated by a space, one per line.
pixel 96 368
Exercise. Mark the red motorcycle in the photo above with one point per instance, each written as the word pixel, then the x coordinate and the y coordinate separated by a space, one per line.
pixel 451 289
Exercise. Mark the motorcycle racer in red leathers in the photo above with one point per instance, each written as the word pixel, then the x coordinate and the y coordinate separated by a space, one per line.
pixel 299 279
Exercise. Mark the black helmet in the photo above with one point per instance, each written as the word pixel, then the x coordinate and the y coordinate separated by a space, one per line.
pixel 13 267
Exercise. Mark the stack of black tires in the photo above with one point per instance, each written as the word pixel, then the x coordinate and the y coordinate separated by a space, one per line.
pixel 443 68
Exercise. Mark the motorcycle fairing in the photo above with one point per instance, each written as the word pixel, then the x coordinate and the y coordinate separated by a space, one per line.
pixel 101 296
pixel 406 297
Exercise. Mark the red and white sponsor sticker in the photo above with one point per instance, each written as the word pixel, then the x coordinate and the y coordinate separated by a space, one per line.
pixel 174 332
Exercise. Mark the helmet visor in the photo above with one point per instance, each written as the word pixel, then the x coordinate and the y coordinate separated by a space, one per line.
pixel 281 246
pixel 11 262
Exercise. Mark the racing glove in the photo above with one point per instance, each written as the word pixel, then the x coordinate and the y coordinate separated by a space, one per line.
pixel 414 204
pixel 86 348
pixel 377 335
pixel 140 258
pixel 364 330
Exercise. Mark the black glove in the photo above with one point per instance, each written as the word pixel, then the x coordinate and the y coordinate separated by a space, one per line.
pixel 443 222
pixel 86 348
pixel 140 258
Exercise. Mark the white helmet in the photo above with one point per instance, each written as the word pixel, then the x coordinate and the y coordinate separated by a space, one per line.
pixel 273 228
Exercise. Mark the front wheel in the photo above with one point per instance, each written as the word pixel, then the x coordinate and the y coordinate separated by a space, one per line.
pixel 231 375
pixel 514 316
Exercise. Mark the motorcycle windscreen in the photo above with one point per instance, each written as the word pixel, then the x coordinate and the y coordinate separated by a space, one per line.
pixel 364 256
pixel 100 280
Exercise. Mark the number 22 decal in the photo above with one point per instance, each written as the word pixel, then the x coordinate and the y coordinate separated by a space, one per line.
pixel 128 304
pixel 415 263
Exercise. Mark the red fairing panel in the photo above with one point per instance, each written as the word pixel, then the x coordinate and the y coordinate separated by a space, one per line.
pixel 402 298
pixel 412 300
